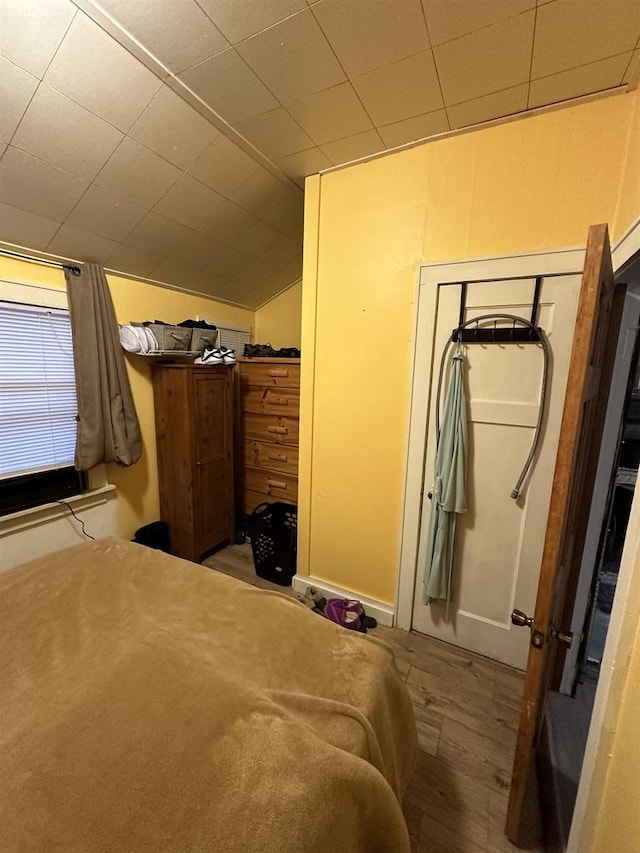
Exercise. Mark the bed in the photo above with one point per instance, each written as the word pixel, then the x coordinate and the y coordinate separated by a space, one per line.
pixel 151 704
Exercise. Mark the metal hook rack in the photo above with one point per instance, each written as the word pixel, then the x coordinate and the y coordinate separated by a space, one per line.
pixel 527 333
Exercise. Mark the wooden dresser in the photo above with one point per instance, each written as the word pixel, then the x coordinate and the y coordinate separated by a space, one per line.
pixel 194 432
pixel 269 411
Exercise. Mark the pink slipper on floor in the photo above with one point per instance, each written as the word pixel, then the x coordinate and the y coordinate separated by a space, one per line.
pixel 350 610
pixel 343 612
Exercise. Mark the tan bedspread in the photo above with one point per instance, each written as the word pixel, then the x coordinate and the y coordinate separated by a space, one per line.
pixel 149 704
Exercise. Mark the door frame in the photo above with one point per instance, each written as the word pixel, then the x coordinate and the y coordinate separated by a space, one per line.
pixel 429 278
pixel 600 499
pixel 619 645
pixel 626 608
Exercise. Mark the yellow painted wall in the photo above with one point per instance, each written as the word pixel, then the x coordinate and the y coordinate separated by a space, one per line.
pixel 137 486
pixel 628 209
pixel 536 183
pixel 278 322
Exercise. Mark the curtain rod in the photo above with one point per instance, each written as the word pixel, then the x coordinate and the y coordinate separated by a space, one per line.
pixel 74 268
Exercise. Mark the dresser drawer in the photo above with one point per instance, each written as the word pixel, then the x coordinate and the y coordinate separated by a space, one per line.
pixel 271 375
pixel 275 485
pixel 250 500
pixel 260 454
pixel 270 401
pixel 271 428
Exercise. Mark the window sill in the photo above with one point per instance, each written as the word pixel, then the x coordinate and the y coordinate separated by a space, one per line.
pixel 38 515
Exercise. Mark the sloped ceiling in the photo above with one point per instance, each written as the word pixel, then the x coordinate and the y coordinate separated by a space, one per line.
pixel 169 139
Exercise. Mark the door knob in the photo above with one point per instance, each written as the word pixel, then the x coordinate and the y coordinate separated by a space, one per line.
pixel 521 620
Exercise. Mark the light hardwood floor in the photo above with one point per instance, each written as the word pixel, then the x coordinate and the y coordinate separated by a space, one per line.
pixel 466 709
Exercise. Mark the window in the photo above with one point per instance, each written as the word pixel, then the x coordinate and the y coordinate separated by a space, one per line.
pixel 37 407
pixel 234 338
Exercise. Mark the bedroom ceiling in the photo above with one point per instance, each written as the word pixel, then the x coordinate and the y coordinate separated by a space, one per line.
pixel 169 139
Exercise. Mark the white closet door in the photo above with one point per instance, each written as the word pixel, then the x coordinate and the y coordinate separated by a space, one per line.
pixel 499 540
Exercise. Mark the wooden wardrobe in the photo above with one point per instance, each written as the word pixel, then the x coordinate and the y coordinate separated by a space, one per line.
pixel 269 404
pixel 194 432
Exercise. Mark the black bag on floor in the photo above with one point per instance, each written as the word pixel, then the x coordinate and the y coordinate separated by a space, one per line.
pixel 155 535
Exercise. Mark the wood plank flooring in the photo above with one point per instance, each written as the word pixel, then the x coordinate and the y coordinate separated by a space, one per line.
pixel 466 710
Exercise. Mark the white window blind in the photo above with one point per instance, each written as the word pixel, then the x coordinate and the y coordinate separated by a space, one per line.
pixel 234 338
pixel 37 390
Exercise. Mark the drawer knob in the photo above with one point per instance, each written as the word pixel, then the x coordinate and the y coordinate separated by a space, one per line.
pixel 278 401
pixel 277 457
pixel 276 484
pixel 280 430
pixel 278 371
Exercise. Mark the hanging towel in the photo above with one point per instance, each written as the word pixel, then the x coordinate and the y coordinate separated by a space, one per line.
pixel 449 489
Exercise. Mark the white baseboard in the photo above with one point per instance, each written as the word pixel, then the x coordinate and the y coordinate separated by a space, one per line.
pixel 384 613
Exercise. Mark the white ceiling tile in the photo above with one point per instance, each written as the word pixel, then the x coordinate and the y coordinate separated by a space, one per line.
pixel 258 272
pixel 275 134
pixel 218 288
pixel 25 229
pixel 105 215
pixel 283 253
pixel 405 89
pixel 195 251
pixel 62 133
pixel 574 32
pixel 594 77
pixel 239 20
pixel 632 74
pixel 223 166
pixel 304 163
pixel 227 84
pixel 173 270
pixel 449 19
pixel 188 202
pixel 229 263
pixel 132 261
pixel 354 147
pixel 31 184
pixel 488 60
pixel 488 107
pixel 293 58
pixel 227 223
pixel 260 192
pixel 332 114
pixel 419 127
pixel 16 90
pixel 31 30
pixel 293 272
pixel 177 33
pixel 287 215
pixel 93 70
pixel 368 34
pixel 79 245
pixel 173 129
pixel 156 234
pixel 136 173
pixel 258 240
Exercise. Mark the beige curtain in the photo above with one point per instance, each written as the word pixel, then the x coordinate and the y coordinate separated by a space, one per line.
pixel 108 429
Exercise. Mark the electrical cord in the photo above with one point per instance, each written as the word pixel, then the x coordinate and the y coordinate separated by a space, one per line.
pixel 70 508
pixel 543 391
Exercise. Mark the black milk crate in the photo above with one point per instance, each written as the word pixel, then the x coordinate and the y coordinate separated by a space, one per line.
pixel 273 529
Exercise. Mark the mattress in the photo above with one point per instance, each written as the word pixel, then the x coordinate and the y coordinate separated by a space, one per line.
pixel 151 704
